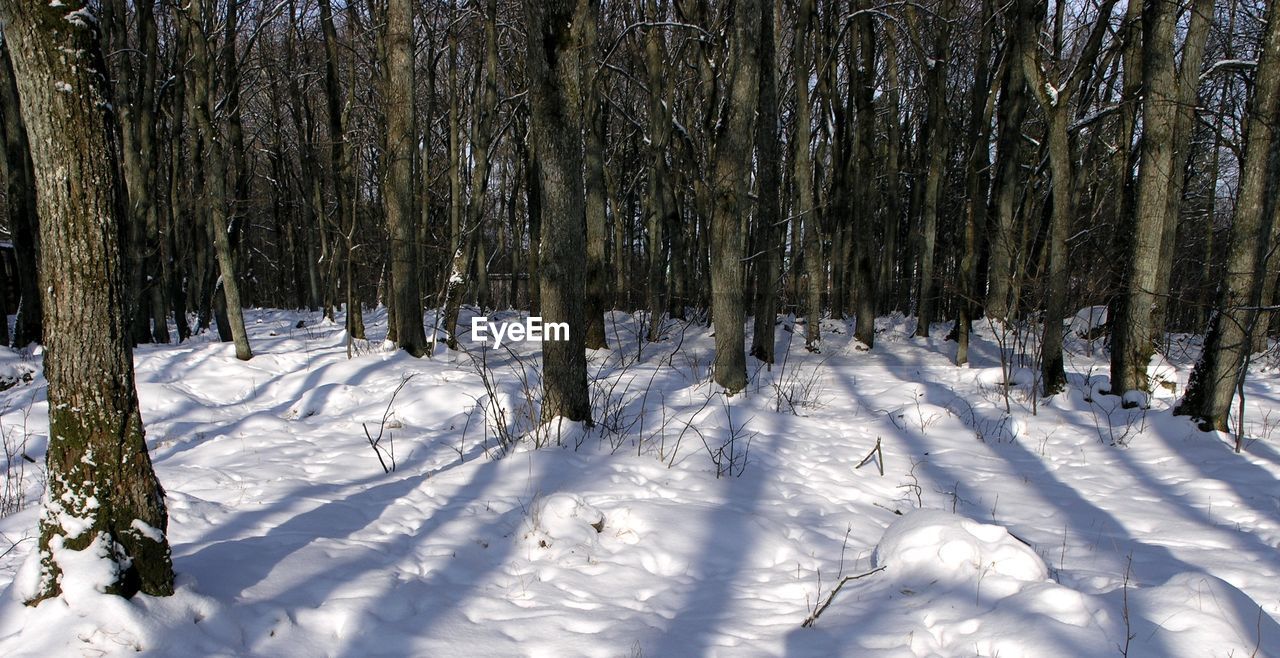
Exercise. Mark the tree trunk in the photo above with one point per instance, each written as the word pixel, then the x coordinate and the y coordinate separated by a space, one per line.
pixel 1220 367
pixel 1188 92
pixel 1132 331
pixel 802 163
pixel 103 493
pixel 216 176
pixel 939 144
pixel 731 170
pixel 597 228
pixel 977 185
pixel 770 228
pixel 1009 183
pixel 865 203
pixel 397 188
pixel 1056 101
pixel 555 99
pixel 20 201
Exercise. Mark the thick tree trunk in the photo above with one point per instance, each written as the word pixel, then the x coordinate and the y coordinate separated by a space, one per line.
pixel 1221 364
pixel 397 188
pixel 103 494
pixel 731 171
pixel 555 98
pixel 1132 331
pixel 1189 68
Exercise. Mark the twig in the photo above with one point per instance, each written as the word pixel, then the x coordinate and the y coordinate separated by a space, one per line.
pixel 813 617
pixel 878 454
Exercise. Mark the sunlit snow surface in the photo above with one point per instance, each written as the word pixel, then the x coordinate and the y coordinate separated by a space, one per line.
pixel 290 540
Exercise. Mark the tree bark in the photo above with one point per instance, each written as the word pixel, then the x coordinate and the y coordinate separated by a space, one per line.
pixel 939 144
pixel 103 494
pixel 397 188
pixel 555 98
pixel 865 203
pixel 814 265
pixel 20 201
pixel 731 170
pixel 1132 331
pixel 216 175
pixel 1213 382
pixel 770 228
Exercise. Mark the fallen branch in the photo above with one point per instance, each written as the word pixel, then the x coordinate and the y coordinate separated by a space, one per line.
pixel 878 454
pixel 813 617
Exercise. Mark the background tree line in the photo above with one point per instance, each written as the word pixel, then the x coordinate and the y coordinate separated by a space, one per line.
pixel 947 159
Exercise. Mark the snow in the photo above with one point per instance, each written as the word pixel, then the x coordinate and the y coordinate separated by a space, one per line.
pixel 1058 528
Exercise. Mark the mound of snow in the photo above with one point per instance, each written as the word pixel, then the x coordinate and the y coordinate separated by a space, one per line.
pixel 1197 609
pixel 931 546
pixel 1088 321
pixel 328 398
pixel 566 523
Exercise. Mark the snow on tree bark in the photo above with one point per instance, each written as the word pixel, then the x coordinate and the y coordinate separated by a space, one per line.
pixel 102 492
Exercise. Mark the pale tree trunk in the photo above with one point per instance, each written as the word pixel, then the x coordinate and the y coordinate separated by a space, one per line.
pixel 555 99
pixel 103 495
pixel 1220 367
pixel 20 201
pixel 770 228
pixel 731 170
pixel 397 189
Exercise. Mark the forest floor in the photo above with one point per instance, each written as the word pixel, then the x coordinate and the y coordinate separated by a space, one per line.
pixel 685 523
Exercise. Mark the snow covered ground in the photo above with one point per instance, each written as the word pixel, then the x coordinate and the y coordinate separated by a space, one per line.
pixel 1071 527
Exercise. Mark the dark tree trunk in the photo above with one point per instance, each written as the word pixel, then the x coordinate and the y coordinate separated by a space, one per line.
pixel 555 99
pixel 20 202
pixel 398 183
pixel 770 228
pixel 802 163
pixel 99 472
